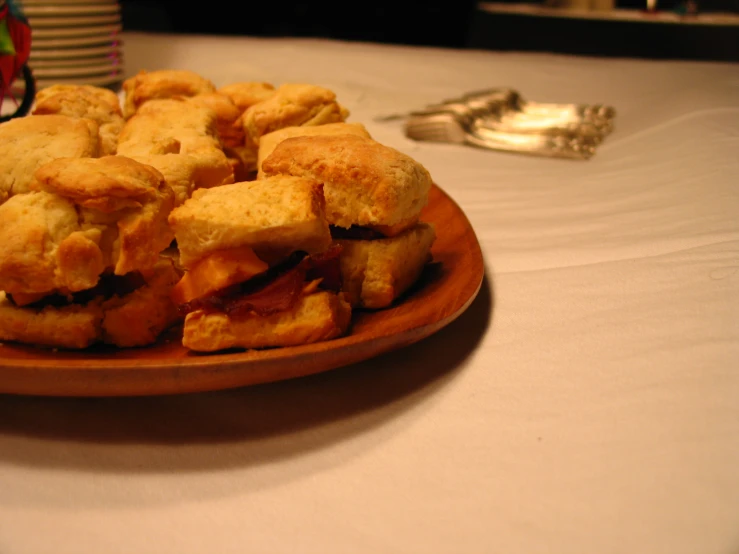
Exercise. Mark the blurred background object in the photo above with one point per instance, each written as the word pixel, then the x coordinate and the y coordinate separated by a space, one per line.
pixel 663 29
pixel 15 48
pixel 439 22
pixel 75 41
pixel 678 29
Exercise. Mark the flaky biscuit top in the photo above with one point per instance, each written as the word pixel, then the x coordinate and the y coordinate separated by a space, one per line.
pixel 107 184
pixel 273 216
pixel 268 142
pixel 146 86
pixel 292 104
pixel 82 218
pixel 27 143
pixel 246 94
pixel 365 183
pixel 101 95
pixel 85 101
pixel 169 126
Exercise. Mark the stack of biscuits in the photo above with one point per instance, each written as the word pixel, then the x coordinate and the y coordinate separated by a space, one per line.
pixel 253 215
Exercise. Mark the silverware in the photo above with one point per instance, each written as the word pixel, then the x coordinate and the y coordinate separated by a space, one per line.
pixel 506 111
pixel 452 127
pixel 515 114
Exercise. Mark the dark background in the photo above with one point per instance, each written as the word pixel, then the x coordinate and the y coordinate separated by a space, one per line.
pixel 444 23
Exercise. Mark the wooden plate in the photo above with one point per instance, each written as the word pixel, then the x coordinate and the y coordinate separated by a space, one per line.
pixel 447 287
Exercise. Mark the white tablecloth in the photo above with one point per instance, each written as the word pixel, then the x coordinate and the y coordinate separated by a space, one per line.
pixel 587 402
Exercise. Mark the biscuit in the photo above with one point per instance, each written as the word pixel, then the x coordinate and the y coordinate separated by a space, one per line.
pixel 73 326
pixel 365 183
pixel 183 173
pixel 146 86
pixel 99 104
pixel 173 126
pixel 315 317
pixel 291 105
pixel 273 216
pixel 268 142
pixel 138 318
pixel 44 246
pixel 169 126
pixel 134 319
pixel 245 95
pixel 129 200
pixel 103 95
pixel 228 127
pixel 27 143
pixel 376 272
pixel 85 215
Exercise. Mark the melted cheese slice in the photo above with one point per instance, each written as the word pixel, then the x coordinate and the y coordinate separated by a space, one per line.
pixel 218 270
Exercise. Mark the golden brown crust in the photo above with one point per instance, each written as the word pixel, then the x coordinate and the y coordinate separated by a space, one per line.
pixel 107 184
pixel 103 95
pixel 138 318
pixel 365 183
pixel 172 126
pixel 123 196
pixel 269 141
pixel 27 143
pixel 376 272
pixel 274 217
pixel 245 95
pixel 292 104
pixel 316 317
pixel 180 172
pixel 165 126
pixel 42 243
pixel 85 101
pixel 228 126
pixel 88 214
pixel 146 86
pixel 68 327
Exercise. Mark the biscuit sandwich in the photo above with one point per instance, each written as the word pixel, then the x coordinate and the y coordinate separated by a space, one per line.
pixel 374 196
pixel 80 255
pixel 261 270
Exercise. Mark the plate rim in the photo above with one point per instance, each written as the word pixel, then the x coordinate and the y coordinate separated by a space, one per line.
pixel 81 22
pixel 48 34
pixel 69 10
pixel 62 72
pixel 45 365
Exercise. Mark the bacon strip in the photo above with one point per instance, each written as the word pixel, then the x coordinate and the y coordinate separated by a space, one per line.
pixel 281 294
pixel 275 290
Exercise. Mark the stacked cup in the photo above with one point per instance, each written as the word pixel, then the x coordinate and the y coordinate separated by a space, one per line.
pixel 75 41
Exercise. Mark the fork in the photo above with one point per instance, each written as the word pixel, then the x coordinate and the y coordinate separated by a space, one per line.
pixel 506 111
pixel 538 115
pixel 451 128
